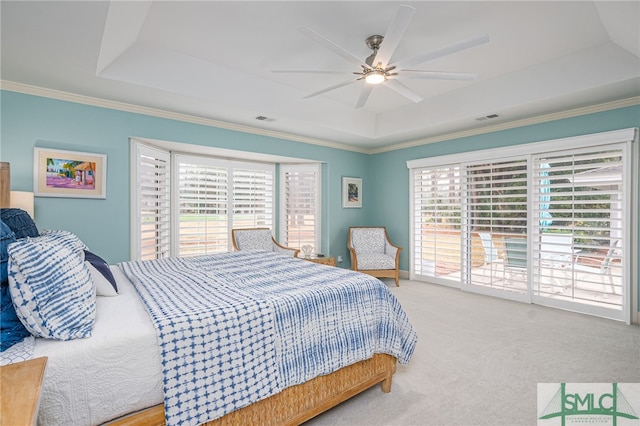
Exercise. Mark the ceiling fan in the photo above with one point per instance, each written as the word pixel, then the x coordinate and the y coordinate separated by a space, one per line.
pixel 376 69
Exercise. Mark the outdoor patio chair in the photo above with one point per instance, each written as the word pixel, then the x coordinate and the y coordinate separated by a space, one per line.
pixel 259 239
pixel 491 255
pixel 602 270
pixel 373 253
pixel 515 255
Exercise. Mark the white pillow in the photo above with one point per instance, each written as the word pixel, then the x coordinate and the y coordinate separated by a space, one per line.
pixel 52 289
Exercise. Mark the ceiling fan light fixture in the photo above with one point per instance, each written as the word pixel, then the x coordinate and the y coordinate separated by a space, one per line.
pixel 375 77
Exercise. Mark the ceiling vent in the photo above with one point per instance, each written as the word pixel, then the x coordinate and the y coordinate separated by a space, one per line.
pixel 487 117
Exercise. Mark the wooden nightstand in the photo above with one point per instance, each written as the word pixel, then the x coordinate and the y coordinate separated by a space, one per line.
pixel 20 392
pixel 325 260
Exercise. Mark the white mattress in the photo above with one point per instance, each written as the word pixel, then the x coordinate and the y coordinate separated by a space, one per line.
pixel 114 372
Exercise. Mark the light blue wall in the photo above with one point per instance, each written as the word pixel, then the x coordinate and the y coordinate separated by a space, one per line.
pixel 29 121
pixel 103 225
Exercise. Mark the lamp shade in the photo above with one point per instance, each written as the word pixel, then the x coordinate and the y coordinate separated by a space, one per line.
pixel 375 77
pixel 22 200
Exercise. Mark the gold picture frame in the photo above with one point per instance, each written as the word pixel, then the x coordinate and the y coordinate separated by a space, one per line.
pixel 69 174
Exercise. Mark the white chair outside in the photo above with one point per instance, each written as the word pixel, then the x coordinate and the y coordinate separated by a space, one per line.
pixel 491 256
pixel 598 269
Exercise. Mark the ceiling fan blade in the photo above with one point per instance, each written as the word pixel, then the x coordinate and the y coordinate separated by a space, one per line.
pixel 308 72
pixel 404 90
pixel 394 34
pixel 443 51
pixel 438 75
pixel 328 89
pixel 331 46
pixel 364 95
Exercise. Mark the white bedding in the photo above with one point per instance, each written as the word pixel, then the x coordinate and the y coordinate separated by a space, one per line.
pixel 113 373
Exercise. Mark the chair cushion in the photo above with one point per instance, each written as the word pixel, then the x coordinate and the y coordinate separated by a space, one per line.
pixel 368 240
pixel 254 240
pixel 369 261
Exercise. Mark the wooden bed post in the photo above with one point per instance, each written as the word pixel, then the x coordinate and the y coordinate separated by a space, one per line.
pixel 5 184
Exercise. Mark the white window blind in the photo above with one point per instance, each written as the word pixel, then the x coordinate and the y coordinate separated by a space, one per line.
pixel 436 222
pixel 151 203
pixel 253 194
pixel 580 237
pixel 215 195
pixel 546 223
pixel 300 206
pixel 496 217
pixel 203 206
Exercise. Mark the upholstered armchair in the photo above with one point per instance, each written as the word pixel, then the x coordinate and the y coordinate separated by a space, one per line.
pixel 259 239
pixel 372 252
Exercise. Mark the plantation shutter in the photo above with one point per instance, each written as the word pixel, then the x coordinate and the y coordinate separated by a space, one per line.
pixel 152 204
pixel 253 195
pixel 546 223
pixel 203 206
pixel 300 206
pixel 436 222
pixel 495 215
pixel 582 193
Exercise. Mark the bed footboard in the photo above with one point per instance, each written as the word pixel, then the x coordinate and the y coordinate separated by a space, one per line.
pixel 296 404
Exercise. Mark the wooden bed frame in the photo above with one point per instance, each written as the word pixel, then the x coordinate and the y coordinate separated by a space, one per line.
pixel 295 404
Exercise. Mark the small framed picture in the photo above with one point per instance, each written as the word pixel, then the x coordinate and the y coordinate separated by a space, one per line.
pixel 69 174
pixel 351 192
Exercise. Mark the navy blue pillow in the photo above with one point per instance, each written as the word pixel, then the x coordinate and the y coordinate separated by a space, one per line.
pixel 12 331
pixel 102 266
pixel 6 237
pixel 20 222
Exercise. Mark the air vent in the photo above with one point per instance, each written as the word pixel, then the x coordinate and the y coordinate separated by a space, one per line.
pixel 487 117
pixel 263 118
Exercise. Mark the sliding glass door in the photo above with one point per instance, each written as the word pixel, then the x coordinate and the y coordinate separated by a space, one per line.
pixel 579 249
pixel 549 226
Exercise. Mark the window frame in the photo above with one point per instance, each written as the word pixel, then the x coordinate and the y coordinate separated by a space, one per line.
pixel 315 168
pixel 216 154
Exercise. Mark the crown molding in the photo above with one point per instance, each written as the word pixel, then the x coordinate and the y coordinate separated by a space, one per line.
pixel 513 124
pixel 154 112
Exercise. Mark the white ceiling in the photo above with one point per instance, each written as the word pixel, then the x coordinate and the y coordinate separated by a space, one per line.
pixel 214 59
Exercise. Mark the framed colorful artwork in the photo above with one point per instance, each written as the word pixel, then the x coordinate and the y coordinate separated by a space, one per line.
pixel 70 174
pixel 351 192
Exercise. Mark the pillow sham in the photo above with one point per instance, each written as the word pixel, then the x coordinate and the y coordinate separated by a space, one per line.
pixel 63 239
pixel 101 274
pixel 52 290
pixel 19 222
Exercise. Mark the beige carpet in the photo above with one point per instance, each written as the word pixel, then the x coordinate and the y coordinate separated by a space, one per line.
pixel 479 360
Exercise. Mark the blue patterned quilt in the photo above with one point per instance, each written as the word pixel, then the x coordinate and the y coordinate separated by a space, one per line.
pixel 238 327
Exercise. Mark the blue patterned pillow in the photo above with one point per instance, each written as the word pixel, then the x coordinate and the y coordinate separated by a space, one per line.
pixel 52 289
pixel 20 222
pixel 62 239
pixel 12 331
pixel 6 237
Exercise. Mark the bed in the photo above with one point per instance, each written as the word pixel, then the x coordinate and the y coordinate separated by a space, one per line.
pixel 308 336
